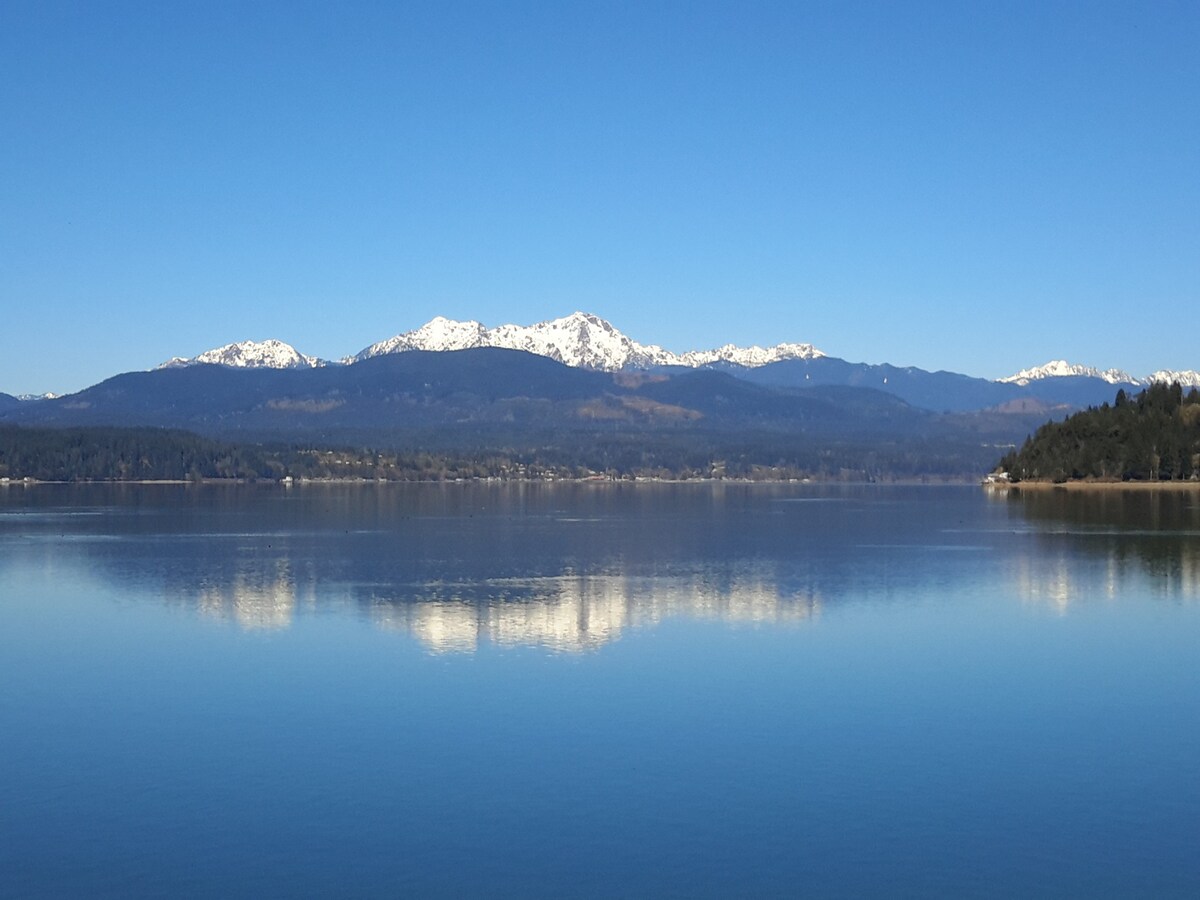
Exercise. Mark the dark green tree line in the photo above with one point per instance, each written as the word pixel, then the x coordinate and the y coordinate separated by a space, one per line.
pixel 1153 436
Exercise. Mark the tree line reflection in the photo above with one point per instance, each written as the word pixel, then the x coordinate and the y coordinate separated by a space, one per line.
pixel 1119 533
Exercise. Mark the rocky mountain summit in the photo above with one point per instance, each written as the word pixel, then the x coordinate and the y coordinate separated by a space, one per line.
pixel 1060 368
pixel 581 340
pixel 586 341
pixel 269 354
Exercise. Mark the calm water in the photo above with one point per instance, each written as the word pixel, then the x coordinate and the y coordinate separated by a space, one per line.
pixel 589 690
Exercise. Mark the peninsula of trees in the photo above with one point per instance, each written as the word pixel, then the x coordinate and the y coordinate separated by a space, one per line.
pixel 1151 436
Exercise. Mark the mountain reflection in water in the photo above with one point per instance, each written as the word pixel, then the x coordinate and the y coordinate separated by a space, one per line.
pixel 571 567
pixel 701 690
pixel 567 613
pixel 573 613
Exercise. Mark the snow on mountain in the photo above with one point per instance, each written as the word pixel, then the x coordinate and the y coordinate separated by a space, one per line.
pixel 1060 368
pixel 269 354
pixel 1187 378
pixel 586 341
pixel 438 333
pixel 750 357
pixel 580 339
pixel 29 398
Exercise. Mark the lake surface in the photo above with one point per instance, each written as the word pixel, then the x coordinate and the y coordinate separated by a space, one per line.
pixel 598 690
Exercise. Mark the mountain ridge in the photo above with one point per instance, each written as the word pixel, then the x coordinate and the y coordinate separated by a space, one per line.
pixel 268 354
pixel 479 400
pixel 581 340
pixel 584 340
pixel 1060 368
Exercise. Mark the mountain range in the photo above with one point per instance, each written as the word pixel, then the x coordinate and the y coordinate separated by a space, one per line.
pixel 485 400
pixel 576 389
pixel 583 340
pixel 580 340
pixel 270 354
pixel 1060 368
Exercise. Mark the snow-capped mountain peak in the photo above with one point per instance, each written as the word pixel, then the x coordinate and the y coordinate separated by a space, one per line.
pixel 584 340
pixel 1060 368
pixel 438 333
pixel 1188 378
pixel 581 339
pixel 751 357
pixel 270 354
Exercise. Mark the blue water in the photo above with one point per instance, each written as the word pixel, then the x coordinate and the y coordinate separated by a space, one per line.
pixel 598 690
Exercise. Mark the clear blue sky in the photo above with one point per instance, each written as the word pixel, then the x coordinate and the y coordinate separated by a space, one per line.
pixel 970 186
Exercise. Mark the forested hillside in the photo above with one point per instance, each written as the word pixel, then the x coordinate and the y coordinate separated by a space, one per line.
pixel 1152 436
pixel 474 410
pixel 151 454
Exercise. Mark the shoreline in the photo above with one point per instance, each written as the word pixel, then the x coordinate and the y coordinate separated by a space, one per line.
pixel 1099 486
pixel 30 482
